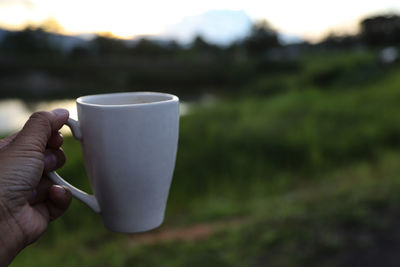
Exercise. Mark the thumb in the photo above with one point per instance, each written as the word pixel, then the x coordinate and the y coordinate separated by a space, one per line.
pixel 38 129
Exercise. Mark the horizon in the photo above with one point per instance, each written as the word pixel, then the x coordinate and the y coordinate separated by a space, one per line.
pixel 218 22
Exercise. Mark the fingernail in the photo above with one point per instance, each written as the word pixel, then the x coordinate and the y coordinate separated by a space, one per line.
pixel 50 161
pixel 60 189
pixel 61 112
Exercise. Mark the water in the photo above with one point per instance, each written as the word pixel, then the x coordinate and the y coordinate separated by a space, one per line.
pixel 14 113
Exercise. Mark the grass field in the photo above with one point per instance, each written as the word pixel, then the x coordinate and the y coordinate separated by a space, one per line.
pixel 296 169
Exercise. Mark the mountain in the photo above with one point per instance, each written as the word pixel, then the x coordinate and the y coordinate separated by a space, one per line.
pixel 66 42
pixel 216 26
pixel 221 27
pixel 287 39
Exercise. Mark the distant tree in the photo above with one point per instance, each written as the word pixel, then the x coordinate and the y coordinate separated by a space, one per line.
pixel 79 52
pixel 381 30
pixel 262 37
pixel 340 41
pixel 107 44
pixel 201 45
pixel 30 41
pixel 147 47
pixel 235 47
pixel 173 46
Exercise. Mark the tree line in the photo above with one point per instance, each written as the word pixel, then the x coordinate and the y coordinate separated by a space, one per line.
pixel 375 31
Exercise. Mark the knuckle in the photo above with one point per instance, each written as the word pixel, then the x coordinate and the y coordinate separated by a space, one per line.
pixel 42 118
pixel 40 115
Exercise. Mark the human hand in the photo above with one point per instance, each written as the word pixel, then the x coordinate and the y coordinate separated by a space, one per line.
pixel 28 200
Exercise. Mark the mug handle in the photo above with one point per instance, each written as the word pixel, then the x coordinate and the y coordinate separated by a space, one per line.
pixel 89 200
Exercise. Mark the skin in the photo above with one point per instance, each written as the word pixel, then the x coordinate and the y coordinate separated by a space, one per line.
pixel 29 200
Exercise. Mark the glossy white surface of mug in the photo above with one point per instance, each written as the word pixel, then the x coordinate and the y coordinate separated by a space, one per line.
pixel 129 143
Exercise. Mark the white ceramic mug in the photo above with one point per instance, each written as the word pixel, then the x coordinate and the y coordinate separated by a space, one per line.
pixel 129 143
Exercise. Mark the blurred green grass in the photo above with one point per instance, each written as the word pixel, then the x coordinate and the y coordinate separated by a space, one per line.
pixel 308 162
pixel 342 218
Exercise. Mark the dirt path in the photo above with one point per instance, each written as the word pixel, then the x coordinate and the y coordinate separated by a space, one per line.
pixel 194 232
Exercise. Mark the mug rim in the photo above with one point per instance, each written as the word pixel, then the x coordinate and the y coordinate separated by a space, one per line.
pixel 84 100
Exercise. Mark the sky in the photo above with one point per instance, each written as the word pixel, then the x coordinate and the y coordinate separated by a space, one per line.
pixel 307 19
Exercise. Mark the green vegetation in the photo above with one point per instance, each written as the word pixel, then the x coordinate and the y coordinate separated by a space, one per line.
pixel 297 168
pixel 38 64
